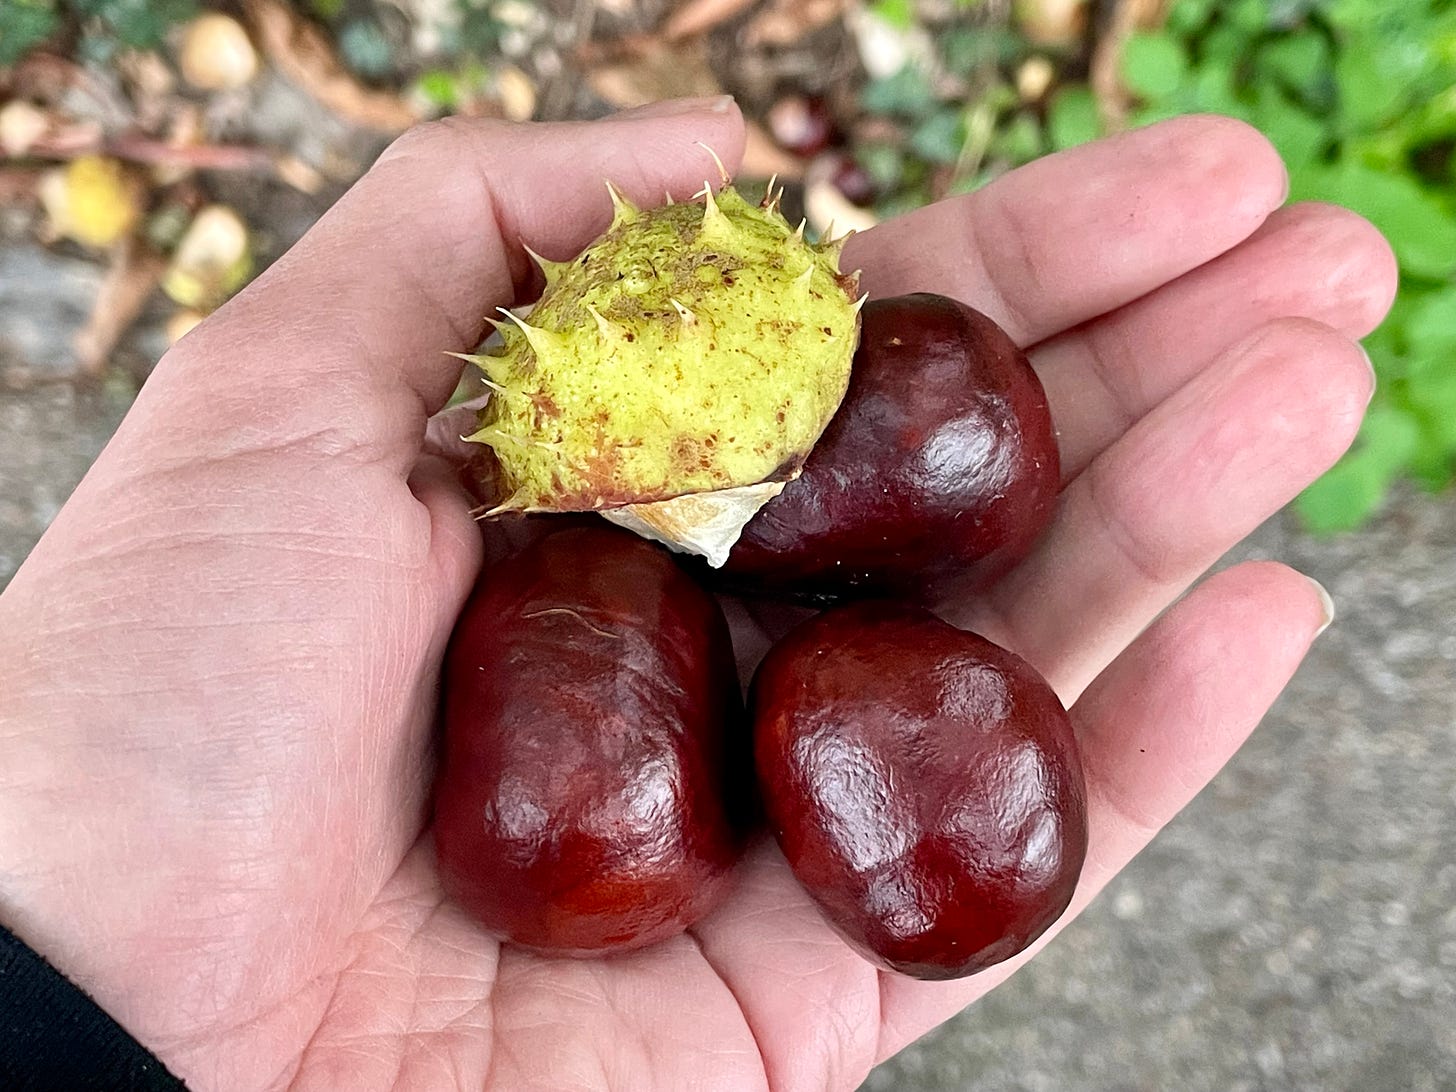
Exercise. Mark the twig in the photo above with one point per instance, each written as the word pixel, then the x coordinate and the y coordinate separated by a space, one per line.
pixel 1105 75
pixel 134 273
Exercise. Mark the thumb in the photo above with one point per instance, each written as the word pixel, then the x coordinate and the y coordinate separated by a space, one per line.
pixel 340 345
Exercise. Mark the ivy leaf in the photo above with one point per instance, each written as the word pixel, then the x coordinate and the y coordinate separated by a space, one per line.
pixel 1369 92
pixel 1154 64
pixel 1430 329
pixel 1298 136
pixel 1072 118
pixel 24 24
pixel 1300 62
pixel 940 137
pixel 907 93
pixel 1020 140
pixel 1187 17
pixel 365 49
pixel 1351 491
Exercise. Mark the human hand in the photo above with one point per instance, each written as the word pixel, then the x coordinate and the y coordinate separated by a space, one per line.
pixel 219 664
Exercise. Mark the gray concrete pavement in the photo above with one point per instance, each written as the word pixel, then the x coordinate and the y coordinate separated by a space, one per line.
pixel 1294 929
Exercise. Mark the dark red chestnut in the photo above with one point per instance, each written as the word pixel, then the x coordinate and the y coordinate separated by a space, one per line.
pixel 854 182
pixel 802 125
pixel 941 462
pixel 924 785
pixel 587 792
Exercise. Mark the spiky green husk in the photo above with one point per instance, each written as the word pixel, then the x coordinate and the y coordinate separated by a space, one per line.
pixel 692 348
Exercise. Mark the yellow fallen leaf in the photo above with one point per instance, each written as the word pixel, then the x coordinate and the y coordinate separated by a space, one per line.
pixel 92 200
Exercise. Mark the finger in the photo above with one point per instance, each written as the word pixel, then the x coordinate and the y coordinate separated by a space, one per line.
pixel 1309 261
pixel 342 341
pixel 1183 486
pixel 455 541
pixel 811 1003
pixel 1085 231
pixel 1155 728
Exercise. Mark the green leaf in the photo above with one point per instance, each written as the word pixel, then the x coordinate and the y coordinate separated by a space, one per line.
pixel 1417 225
pixel 1019 140
pixel 1249 16
pixel 1299 61
pixel 1072 118
pixel 1298 136
pixel 438 87
pixel 883 163
pixel 1224 46
pixel 140 24
pixel 1430 329
pixel 365 49
pixel 1369 92
pixel 1189 16
pixel 25 24
pixel 907 93
pixel 897 13
pixel 1347 495
pixel 940 137
pixel 1154 64
pixel 1211 90
pixel 1344 498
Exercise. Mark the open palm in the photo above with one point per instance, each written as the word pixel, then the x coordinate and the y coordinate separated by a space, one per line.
pixel 218 686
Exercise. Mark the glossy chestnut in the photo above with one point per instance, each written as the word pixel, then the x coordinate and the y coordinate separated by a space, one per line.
pixel 940 464
pixel 924 784
pixel 590 797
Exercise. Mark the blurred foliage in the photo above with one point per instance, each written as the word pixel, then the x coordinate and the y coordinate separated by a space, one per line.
pixel 1359 96
pixel 103 26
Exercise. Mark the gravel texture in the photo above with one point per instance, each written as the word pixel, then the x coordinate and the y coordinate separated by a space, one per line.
pixel 1295 928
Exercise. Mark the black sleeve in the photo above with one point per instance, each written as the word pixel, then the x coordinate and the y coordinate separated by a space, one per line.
pixel 53 1038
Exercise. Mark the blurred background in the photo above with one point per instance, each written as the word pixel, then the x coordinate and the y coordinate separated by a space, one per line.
pixel 1296 928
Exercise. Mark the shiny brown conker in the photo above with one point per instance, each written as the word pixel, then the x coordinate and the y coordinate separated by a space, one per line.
pixel 594 783
pixel 924 784
pixel 941 464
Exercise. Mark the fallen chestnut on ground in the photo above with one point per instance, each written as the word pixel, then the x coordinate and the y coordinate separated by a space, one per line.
pixel 924 784
pixel 588 790
pixel 940 463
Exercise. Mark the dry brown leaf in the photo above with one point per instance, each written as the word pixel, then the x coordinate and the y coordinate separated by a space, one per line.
pixel 302 53
pixel 656 74
pixel 784 22
pixel 128 285
pixel 694 17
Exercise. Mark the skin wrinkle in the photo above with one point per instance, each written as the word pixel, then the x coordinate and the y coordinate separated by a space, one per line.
pixel 692 935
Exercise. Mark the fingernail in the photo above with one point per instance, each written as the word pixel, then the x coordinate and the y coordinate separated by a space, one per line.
pixel 1327 605
pixel 1371 365
pixel 672 108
